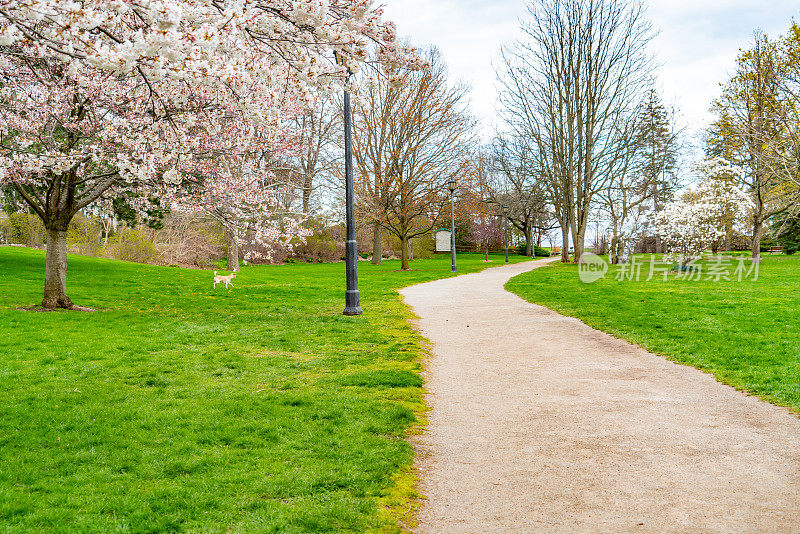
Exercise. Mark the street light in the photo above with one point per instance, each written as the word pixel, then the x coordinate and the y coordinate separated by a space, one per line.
pixel 451 185
pixel 352 297
pixel 505 227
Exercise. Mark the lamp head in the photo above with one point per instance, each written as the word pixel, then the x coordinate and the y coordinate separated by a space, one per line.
pixel 342 62
pixel 451 185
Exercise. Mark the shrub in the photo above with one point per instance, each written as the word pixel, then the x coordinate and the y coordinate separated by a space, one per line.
pixel 539 251
pixel 131 244
pixel 189 240
pixel 421 247
pixel 789 235
pixel 84 235
pixel 767 242
pixel 23 229
pixel 424 246
pixel 325 245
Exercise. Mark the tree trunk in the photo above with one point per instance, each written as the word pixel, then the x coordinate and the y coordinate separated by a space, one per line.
pixel 659 243
pixel 377 242
pixel 577 240
pixel 529 242
pixel 106 222
pixel 404 254
pixel 233 251
pixel 485 252
pixel 579 248
pixel 308 187
pixel 55 274
pixel 758 229
pixel 564 243
pixel 617 249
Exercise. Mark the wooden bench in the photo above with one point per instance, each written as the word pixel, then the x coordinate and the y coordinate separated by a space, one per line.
pixel 774 250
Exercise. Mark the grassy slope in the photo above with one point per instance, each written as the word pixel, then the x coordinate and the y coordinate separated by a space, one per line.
pixel 184 408
pixel 746 333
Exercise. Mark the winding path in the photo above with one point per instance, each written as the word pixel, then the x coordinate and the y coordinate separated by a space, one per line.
pixel 539 423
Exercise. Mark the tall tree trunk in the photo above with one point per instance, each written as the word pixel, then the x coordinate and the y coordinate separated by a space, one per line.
pixel 233 251
pixel 617 248
pixel 728 236
pixel 404 254
pixel 377 242
pixel 565 243
pixel 485 252
pixel 758 229
pixel 576 244
pixel 529 241
pixel 308 187
pixel 579 247
pixel 55 274
pixel 657 209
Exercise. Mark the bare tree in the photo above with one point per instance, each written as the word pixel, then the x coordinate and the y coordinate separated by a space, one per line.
pixel 629 188
pixel 581 66
pixel 425 141
pixel 513 180
pixel 373 116
pixel 319 134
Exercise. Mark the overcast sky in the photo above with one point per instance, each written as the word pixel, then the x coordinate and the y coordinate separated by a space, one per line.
pixel 696 47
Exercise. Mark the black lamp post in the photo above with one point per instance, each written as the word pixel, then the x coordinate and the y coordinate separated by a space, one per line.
pixel 505 227
pixel 352 296
pixel 451 185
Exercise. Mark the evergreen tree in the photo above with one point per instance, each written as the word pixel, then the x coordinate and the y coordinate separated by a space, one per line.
pixel 659 152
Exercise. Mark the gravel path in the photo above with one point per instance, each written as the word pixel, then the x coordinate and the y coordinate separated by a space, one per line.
pixel 542 424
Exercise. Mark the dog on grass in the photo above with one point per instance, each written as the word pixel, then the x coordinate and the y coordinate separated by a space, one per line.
pixel 227 280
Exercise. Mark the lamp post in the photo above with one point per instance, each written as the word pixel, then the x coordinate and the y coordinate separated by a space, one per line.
pixel 352 296
pixel 451 185
pixel 505 227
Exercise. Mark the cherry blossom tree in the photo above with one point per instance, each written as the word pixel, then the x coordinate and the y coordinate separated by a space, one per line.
pixel 133 94
pixel 486 231
pixel 233 177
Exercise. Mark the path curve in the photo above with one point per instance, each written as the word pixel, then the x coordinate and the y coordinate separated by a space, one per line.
pixel 540 423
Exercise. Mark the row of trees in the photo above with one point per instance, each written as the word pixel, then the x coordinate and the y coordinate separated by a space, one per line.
pixel 585 123
pixel 232 113
pixel 587 136
pixel 259 165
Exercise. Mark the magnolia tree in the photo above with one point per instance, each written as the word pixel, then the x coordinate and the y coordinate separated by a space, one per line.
pixel 700 218
pixel 102 94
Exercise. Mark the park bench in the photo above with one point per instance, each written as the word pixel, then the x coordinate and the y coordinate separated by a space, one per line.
pixel 773 250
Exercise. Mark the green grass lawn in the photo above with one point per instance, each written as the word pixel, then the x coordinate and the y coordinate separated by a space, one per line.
pixel 746 333
pixel 182 408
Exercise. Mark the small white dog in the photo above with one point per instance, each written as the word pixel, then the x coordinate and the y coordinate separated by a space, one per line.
pixel 227 280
